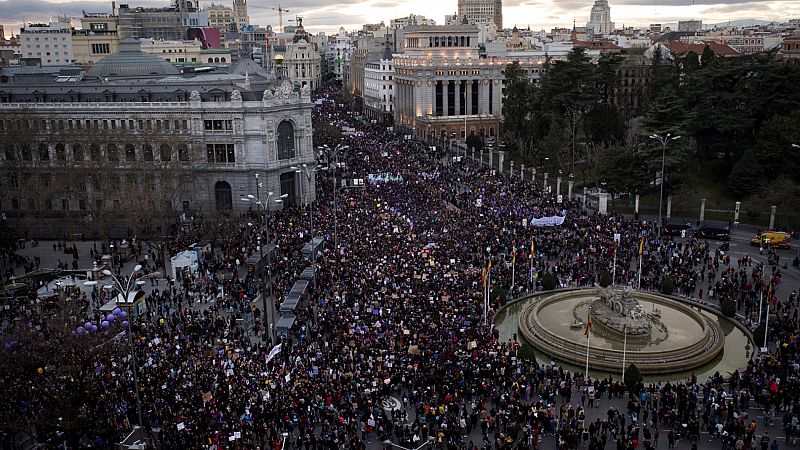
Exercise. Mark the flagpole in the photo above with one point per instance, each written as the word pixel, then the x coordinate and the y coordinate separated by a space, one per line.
pixel 639 284
pixel 761 299
pixel 624 346
pixel 488 292
pixel 513 268
pixel 614 269
pixel 766 323
pixel 588 336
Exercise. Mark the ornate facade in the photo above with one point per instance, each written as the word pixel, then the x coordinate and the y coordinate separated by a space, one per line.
pixel 600 18
pixel 216 130
pixel 443 85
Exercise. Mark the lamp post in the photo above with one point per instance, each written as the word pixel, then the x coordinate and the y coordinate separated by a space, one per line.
pixel 664 141
pixel 335 154
pixel 125 286
pixel 269 318
pixel 303 169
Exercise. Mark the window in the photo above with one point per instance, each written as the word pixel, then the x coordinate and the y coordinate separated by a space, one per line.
pixel 94 152
pixel 130 152
pixel 286 144
pixel 113 152
pixel 61 152
pixel 25 149
pixel 218 125
pixel 221 153
pixel 147 152
pixel 183 153
pixel 101 49
pixel 44 181
pixel 44 152
pixel 165 152
pixel 77 152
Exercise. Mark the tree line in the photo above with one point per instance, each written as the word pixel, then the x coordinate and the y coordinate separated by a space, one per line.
pixel 737 117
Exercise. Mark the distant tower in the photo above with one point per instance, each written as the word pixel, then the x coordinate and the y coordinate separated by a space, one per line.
pixel 481 11
pixel 600 18
pixel 240 12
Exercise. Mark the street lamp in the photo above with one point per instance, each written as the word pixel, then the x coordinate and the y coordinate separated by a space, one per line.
pixel 335 154
pixel 268 312
pixel 309 174
pixel 124 286
pixel 664 141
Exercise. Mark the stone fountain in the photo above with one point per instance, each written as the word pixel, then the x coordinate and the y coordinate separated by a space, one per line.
pixel 614 306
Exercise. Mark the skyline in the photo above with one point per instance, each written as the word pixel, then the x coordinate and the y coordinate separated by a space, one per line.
pixel 320 15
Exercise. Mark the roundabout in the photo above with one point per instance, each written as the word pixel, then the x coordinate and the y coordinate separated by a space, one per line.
pixel 664 336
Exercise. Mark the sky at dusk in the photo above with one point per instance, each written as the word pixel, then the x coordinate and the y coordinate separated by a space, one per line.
pixel 328 15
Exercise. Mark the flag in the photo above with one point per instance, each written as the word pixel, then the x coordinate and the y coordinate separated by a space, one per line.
pixel 532 252
pixel 625 327
pixel 771 291
pixel 514 254
pixel 641 246
pixel 588 325
pixel 483 277
pixel 275 350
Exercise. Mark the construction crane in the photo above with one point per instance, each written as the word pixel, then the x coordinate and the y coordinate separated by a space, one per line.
pixel 280 15
pixel 279 9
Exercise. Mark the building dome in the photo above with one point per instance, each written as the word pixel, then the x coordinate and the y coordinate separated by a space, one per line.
pixel 131 61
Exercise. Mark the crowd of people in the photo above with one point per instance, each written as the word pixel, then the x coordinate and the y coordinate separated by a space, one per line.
pixel 394 344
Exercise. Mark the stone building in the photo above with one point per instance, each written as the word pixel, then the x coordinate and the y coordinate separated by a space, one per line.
pixel 600 18
pixel 482 12
pixel 379 88
pixel 50 42
pixel 133 121
pixel 444 86
pixel 98 38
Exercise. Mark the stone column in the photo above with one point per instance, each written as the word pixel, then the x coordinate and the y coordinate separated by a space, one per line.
pixel 569 189
pixel 558 186
pixel 445 105
pixel 702 210
pixel 533 174
pixel 602 203
pixel 544 183
pixel 481 156
pixel 736 212
pixel 636 207
pixel 522 171
pixel 585 196
pixel 457 97
pixel 500 159
pixel 772 211
pixel 511 171
pixel 468 90
pixel 669 206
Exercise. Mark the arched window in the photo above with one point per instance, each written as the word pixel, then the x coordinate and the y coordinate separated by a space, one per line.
pixel 286 140
pixel 147 152
pixel 25 149
pixel 77 152
pixel 15 203
pixel 94 152
pixel 44 152
pixel 112 152
pixel 223 196
pixel 165 152
pixel 223 59
pixel 211 60
pixel 130 152
pixel 183 153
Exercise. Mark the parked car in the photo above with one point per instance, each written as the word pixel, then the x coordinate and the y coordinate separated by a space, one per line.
pixel 721 233
pixel 675 228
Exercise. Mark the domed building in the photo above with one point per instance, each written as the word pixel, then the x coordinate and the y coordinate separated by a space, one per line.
pixel 132 62
pixel 301 60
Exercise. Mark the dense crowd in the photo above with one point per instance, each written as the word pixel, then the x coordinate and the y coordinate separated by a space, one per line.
pixel 396 310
